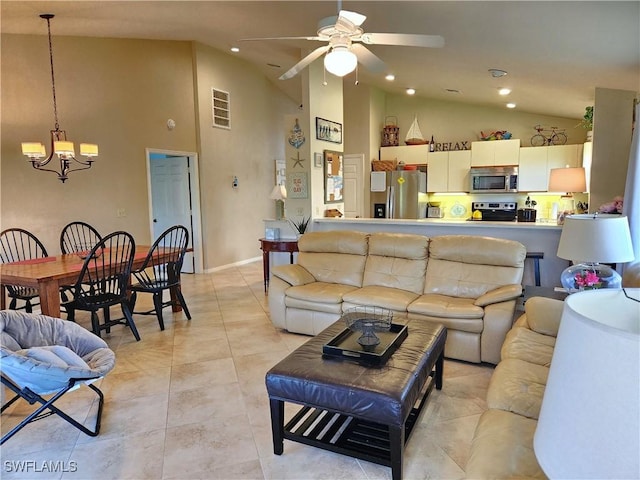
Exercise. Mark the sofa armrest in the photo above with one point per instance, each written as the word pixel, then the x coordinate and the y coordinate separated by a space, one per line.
pixel 543 315
pixel 500 294
pixel 293 274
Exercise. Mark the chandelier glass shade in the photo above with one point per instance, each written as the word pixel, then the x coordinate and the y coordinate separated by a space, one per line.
pixel 60 147
pixel 340 61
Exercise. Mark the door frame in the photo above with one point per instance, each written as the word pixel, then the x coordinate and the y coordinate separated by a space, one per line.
pixel 194 190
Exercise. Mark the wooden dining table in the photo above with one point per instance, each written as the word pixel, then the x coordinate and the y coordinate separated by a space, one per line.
pixel 48 274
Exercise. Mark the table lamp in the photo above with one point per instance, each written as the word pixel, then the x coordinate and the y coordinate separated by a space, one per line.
pixel 588 427
pixel 279 193
pixel 569 180
pixel 592 240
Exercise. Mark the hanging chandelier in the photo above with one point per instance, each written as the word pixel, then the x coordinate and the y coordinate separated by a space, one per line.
pixel 60 146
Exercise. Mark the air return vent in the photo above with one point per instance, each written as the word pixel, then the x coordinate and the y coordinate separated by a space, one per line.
pixel 221 107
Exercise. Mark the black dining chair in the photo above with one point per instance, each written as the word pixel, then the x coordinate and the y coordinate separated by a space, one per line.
pixel 159 274
pixel 103 282
pixel 78 237
pixel 19 245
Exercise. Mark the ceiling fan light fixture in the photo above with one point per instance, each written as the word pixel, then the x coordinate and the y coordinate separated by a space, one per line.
pixel 340 61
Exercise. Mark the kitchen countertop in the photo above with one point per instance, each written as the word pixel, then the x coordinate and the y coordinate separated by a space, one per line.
pixel 441 221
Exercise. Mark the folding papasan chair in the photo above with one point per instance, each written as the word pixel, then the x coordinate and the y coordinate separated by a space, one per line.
pixel 47 357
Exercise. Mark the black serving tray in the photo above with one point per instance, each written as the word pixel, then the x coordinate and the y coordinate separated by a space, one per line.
pixel 345 345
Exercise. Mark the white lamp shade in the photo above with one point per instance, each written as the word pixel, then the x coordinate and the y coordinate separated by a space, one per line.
pixel 64 148
pixel 598 238
pixel 33 149
pixel 89 149
pixel 279 192
pixel 570 179
pixel 589 423
pixel 340 61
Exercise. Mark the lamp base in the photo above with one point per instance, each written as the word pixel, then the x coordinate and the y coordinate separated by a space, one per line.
pixel 589 276
pixel 279 210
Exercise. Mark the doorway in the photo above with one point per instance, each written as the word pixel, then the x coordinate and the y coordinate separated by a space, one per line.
pixel 174 199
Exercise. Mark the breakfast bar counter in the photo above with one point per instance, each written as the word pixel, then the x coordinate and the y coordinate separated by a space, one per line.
pixel 535 236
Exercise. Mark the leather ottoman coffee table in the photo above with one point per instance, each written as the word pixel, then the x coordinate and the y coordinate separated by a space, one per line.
pixel 364 412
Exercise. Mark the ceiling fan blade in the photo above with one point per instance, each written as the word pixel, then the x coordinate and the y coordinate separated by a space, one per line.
pixel 370 61
pixel 354 17
pixel 298 67
pixel 283 38
pixel 403 39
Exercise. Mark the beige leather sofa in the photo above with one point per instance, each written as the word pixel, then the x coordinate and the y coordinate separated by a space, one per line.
pixel 502 445
pixel 467 283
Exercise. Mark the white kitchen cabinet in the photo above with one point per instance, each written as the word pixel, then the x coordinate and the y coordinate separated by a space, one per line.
pixel 459 165
pixel 533 175
pixel 409 154
pixel 537 162
pixel 448 171
pixel 495 152
pixel 437 172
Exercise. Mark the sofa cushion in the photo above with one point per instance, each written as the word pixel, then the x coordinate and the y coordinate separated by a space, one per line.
pixel 543 314
pixel 335 256
pixel 397 261
pixel 375 296
pixel 443 306
pixel 527 345
pixel 469 266
pixel 517 386
pixel 319 292
pixel 502 448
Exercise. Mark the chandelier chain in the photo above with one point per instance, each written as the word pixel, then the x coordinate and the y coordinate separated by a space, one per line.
pixel 53 78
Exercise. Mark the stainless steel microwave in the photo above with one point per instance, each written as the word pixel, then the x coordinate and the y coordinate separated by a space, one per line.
pixel 494 179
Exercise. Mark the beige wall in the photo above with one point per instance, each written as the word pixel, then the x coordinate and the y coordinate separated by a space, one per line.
pixel 119 94
pixel 233 218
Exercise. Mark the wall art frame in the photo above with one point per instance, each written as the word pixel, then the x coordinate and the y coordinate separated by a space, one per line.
pixel 297 187
pixel 328 131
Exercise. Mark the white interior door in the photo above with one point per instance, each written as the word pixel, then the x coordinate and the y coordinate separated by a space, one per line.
pixel 171 199
pixel 353 189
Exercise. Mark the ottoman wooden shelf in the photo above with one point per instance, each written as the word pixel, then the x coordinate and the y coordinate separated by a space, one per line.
pixel 364 412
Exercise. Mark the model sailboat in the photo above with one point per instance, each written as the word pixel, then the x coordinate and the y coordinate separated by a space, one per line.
pixel 414 135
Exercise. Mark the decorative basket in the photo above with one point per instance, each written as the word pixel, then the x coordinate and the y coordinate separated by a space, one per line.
pixel 384 165
pixel 390 132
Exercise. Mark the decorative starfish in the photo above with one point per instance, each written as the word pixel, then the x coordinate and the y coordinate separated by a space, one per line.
pixel 297 161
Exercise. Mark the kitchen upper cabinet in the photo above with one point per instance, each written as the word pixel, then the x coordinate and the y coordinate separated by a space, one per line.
pixel 459 165
pixel 537 162
pixel 409 154
pixel 448 171
pixel 533 174
pixel 495 152
pixel 438 172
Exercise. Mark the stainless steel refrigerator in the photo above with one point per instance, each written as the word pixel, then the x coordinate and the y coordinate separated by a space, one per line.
pixel 403 193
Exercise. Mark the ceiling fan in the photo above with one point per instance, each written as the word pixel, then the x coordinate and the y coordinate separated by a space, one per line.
pixel 345 47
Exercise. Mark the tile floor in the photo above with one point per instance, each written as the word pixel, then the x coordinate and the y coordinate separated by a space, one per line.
pixel 190 403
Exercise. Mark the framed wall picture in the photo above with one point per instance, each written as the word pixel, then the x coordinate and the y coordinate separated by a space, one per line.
pixel 333 177
pixel 328 131
pixel 297 187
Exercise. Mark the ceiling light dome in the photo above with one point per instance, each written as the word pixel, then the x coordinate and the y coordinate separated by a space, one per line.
pixel 340 61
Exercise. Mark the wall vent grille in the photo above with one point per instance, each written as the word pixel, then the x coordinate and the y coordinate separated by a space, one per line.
pixel 221 108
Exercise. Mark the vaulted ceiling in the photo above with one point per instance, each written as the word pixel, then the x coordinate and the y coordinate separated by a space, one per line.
pixel 555 53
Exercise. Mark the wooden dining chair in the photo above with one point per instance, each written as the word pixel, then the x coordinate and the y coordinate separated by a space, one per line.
pixel 19 245
pixel 156 275
pixel 78 237
pixel 103 282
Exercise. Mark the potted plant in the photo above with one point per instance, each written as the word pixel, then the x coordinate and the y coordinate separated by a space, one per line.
pixel 300 226
pixel 587 121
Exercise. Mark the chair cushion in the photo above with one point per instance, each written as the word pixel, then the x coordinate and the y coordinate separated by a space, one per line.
pixel 445 306
pixel 56 355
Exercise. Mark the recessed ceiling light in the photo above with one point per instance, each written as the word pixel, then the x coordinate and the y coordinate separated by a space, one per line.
pixel 504 91
pixel 497 73
pixel 411 91
pixel 511 105
pixel 235 49
pixel 391 77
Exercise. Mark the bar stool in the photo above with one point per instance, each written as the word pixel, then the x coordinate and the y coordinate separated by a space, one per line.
pixel 536 256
